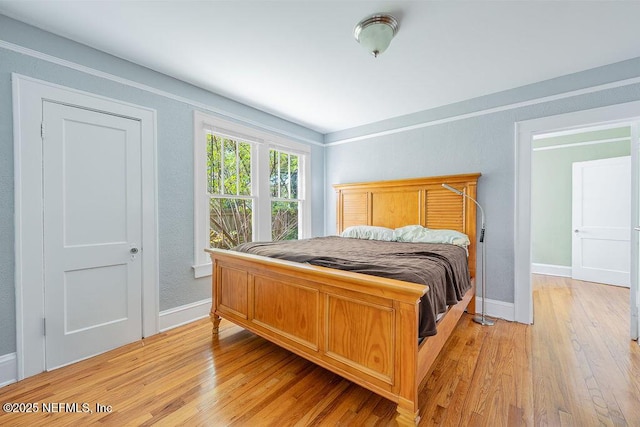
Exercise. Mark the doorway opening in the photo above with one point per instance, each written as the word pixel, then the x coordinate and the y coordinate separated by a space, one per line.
pixel 581 204
pixel 527 133
pixel 581 219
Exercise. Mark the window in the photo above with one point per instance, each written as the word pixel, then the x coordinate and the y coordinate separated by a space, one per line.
pixel 249 185
pixel 285 203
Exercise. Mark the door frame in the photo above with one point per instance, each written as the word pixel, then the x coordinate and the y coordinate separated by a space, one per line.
pixel 627 113
pixel 28 97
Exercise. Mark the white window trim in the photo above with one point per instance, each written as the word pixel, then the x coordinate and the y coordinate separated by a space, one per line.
pixel 264 141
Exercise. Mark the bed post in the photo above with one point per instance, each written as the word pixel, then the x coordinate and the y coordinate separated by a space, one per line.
pixel 407 417
pixel 407 369
pixel 471 308
pixel 215 319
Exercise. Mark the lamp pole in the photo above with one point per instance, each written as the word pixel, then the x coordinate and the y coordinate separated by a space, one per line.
pixel 482 319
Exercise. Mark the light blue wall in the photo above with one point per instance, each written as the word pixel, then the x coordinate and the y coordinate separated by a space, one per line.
pixel 175 154
pixel 473 136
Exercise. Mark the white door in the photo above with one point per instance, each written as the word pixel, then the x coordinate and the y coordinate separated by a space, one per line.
pixel 601 221
pixel 92 232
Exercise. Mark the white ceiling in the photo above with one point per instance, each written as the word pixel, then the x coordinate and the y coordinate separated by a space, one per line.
pixel 299 60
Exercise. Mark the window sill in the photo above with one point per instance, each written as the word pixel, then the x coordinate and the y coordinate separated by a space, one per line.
pixel 202 270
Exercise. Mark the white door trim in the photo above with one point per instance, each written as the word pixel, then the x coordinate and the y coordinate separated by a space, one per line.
pixel 524 134
pixel 28 96
pixel 634 294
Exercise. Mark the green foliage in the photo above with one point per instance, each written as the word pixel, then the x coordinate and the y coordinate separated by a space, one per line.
pixel 228 166
pixel 283 177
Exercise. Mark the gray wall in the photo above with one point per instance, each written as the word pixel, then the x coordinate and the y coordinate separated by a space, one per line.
pixel 551 188
pixel 473 136
pixel 175 155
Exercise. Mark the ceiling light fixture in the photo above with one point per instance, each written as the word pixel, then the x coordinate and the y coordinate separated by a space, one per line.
pixel 375 32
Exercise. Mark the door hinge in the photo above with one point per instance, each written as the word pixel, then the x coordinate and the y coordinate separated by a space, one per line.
pixel 44 326
pixel 42 130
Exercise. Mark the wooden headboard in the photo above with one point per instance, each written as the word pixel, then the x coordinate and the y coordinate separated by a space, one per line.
pixel 403 202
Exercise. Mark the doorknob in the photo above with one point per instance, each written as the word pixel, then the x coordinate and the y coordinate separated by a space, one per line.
pixel 576 231
pixel 636 228
pixel 133 251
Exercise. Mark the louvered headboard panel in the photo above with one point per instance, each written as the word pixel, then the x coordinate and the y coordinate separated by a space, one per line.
pixel 403 202
pixel 445 209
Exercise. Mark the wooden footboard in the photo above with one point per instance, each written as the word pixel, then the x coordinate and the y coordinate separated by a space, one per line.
pixel 361 327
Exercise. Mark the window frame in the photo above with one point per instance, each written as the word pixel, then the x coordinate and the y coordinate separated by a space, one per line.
pixel 262 141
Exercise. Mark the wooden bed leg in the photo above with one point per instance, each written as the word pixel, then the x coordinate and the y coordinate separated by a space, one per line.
pixel 215 319
pixel 471 308
pixel 406 417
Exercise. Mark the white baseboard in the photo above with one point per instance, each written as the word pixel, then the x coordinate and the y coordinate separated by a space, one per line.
pixel 8 369
pixel 551 270
pixel 184 314
pixel 495 308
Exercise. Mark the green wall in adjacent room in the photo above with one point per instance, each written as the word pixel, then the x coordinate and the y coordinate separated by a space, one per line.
pixel 551 187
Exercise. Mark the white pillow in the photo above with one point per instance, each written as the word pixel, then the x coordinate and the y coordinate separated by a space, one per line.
pixel 420 234
pixel 369 232
pixel 409 233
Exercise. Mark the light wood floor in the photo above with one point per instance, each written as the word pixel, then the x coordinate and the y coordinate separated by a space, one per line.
pixel 575 367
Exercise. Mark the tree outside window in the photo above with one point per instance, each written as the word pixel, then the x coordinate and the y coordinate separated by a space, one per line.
pixel 229 187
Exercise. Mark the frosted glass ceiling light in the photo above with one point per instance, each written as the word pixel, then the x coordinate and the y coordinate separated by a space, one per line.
pixel 375 33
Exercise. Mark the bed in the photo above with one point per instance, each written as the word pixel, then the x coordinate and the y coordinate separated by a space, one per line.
pixel 362 327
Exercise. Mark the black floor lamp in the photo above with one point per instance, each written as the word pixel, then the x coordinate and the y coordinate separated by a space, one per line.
pixel 483 320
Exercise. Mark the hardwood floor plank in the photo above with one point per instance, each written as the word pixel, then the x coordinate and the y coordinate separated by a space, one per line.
pixel 574 367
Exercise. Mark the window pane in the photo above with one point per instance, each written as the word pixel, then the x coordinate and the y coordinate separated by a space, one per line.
pixel 284 175
pixel 284 220
pixel 294 176
pixel 230 222
pixel 213 164
pixel 230 176
pixel 273 172
pixel 244 157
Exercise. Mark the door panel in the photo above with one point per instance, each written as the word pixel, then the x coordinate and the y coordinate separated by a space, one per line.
pixel 601 221
pixel 88 304
pixel 92 220
pixel 94 189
